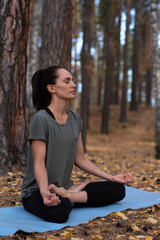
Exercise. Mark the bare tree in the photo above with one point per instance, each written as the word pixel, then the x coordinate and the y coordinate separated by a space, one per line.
pixel 123 114
pixel 56 33
pixel 116 86
pixel 14 21
pixel 108 15
pixel 156 72
pixel 33 49
pixel 86 62
pixel 136 57
pixel 148 54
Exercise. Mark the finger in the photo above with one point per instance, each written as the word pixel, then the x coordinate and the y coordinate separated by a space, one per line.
pixel 56 201
pixel 128 177
pixel 53 202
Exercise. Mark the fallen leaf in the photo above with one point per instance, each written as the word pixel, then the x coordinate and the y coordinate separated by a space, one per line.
pixel 97 237
pixel 140 236
pixel 53 237
pixel 120 236
pixel 156 232
pixel 41 237
pixel 66 234
pixel 74 238
pixel 152 220
pixel 103 230
pixel 148 238
pixel 120 214
pixel 132 238
pixel 134 227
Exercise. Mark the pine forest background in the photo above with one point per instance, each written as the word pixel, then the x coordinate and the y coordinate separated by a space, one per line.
pixel 110 47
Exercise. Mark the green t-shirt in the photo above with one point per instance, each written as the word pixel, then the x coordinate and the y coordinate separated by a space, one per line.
pixel 61 145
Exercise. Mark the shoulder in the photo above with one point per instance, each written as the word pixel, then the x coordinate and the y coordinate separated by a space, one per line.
pixel 38 128
pixel 40 117
pixel 76 119
pixel 74 114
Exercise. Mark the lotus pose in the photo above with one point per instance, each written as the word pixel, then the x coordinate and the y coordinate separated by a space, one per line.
pixel 55 145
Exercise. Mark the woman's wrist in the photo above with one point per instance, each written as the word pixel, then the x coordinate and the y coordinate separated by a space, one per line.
pixel 109 177
pixel 43 190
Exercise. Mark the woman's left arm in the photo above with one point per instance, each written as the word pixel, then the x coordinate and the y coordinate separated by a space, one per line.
pixel 86 165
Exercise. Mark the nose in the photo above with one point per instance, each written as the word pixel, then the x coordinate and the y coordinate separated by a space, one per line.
pixel 74 85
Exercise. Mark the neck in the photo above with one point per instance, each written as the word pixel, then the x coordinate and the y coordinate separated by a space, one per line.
pixel 58 108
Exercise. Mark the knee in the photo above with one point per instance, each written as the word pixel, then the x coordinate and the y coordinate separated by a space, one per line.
pixel 121 192
pixel 60 214
pixel 61 217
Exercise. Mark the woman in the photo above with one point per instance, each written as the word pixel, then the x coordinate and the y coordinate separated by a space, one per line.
pixel 55 145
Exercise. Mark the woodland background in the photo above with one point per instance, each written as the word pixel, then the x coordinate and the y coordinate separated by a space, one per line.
pixel 117 62
pixel 112 50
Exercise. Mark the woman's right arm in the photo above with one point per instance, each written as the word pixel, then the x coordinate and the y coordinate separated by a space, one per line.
pixel 40 172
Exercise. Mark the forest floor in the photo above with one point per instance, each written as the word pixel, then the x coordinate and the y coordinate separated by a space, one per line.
pixel 129 147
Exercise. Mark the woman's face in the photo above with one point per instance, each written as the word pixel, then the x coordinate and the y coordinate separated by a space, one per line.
pixel 64 87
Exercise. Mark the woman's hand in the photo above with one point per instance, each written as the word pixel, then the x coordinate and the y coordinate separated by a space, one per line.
pixel 122 178
pixel 50 199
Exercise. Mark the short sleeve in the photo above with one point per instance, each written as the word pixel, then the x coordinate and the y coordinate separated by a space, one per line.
pixel 80 124
pixel 79 121
pixel 37 129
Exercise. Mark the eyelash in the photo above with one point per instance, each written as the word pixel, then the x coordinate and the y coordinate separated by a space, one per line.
pixel 67 81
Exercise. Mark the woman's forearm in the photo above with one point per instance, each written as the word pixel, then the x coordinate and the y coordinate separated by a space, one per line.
pixel 89 167
pixel 41 176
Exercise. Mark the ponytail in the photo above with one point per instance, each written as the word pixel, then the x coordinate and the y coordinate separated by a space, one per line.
pixel 41 97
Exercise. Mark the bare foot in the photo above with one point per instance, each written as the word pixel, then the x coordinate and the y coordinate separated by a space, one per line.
pixel 77 187
pixel 75 194
pixel 60 191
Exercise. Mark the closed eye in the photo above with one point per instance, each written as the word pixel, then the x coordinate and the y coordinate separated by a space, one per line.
pixel 67 80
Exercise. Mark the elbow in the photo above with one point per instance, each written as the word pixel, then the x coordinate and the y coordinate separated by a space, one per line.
pixel 75 163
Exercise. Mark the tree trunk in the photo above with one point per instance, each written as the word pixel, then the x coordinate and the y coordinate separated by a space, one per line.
pixel 123 114
pixel 110 59
pixel 148 57
pixel 100 72
pixel 75 35
pixel 107 89
pixel 86 62
pixel 14 21
pixel 99 82
pixel 117 57
pixel 136 57
pixel 156 70
pixel 56 33
pixel 33 50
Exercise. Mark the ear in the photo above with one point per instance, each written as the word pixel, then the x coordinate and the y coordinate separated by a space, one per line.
pixel 51 88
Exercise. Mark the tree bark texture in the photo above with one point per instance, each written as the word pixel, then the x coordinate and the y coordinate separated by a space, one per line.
pixel 148 56
pixel 123 114
pixel 136 57
pixel 56 33
pixel 33 49
pixel 156 73
pixel 117 57
pixel 100 70
pixel 86 62
pixel 14 15
pixel 110 60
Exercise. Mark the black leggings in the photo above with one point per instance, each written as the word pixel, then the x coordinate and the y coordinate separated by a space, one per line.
pixel 98 193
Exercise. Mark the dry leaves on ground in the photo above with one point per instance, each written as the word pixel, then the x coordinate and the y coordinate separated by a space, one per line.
pixel 128 148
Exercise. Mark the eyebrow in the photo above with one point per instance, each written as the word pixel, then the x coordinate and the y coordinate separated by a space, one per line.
pixel 68 78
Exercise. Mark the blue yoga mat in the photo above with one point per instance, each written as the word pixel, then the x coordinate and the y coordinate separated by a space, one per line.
pixel 16 218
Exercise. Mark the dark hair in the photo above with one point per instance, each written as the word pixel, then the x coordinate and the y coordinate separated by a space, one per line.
pixel 41 97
